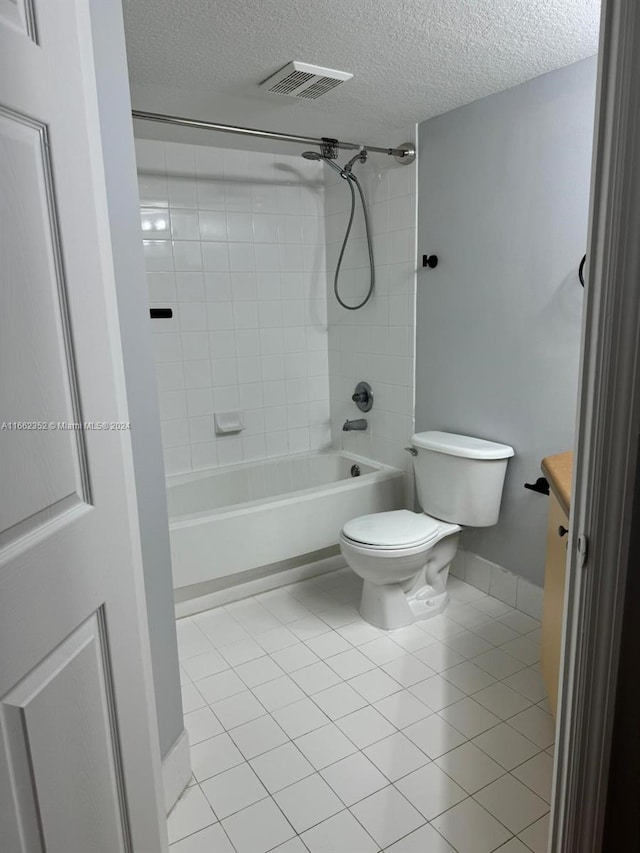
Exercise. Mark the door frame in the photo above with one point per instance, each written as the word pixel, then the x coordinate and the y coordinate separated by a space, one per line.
pixel 606 452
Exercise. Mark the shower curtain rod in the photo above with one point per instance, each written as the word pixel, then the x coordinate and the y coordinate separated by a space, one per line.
pixel 403 154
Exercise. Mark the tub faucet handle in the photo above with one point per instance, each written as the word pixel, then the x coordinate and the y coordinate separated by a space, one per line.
pixel 412 451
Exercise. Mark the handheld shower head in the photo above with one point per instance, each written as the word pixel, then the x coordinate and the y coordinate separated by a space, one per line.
pixel 313 155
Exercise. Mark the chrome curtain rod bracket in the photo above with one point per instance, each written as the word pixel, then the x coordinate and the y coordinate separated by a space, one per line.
pixel 404 153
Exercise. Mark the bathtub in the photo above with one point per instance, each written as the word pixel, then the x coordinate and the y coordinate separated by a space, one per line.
pixel 234 524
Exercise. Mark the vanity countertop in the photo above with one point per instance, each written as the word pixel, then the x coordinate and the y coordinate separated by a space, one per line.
pixel 558 469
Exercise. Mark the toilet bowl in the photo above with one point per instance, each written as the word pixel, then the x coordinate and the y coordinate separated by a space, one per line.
pixel 404 557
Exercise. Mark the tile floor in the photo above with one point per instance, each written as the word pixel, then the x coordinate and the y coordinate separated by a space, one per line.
pixel 313 732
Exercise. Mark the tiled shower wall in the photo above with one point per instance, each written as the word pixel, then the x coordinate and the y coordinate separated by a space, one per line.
pixel 234 244
pixel 377 342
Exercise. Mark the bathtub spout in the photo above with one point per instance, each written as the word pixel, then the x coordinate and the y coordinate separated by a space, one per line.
pixel 360 424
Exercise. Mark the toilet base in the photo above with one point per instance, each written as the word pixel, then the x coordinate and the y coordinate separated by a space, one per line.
pixel 389 607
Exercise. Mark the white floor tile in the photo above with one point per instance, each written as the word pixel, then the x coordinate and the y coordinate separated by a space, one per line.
pixel 407 670
pixel 434 736
pixel 277 639
pixel 308 802
pixel 295 657
pixel 201 724
pixel 351 663
pixel 471 768
pixel 422 840
pixel 387 816
pixel 237 653
pixel 213 756
pixel 492 607
pixel 471 829
pixel 501 700
pixel 258 736
pixel 354 778
pixel 338 617
pixel 375 685
pixel 537 774
pixel 325 746
pixel 258 828
pixel 204 841
pixel 506 746
pixel 220 686
pixel 402 709
pixel 498 663
pixel 365 726
pixel 520 622
pixel 281 767
pixel 339 700
pixel 395 756
pixel 468 677
pixel 219 627
pixel 411 638
pixel 513 846
pixel 310 626
pixel 278 693
pixel 523 649
pixel 327 645
pixel 300 718
pixel 495 632
pixel 312 679
pixel 464 615
pixel 238 709
pixel 382 650
pixel 191 640
pixel 192 699
pixel 191 813
pixel 358 633
pixel 233 790
pixel 208 663
pixel 440 627
pixel 430 790
pixel 512 803
pixel 437 692
pixel 468 644
pixel 536 725
pixel 438 657
pixel 536 836
pixel 258 671
pixel 469 717
pixel 529 683
pixel 292 846
pixel 339 834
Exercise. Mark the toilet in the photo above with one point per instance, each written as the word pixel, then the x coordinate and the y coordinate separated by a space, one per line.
pixel 403 557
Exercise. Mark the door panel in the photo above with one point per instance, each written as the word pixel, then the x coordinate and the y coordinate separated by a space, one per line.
pixel 63 757
pixel 40 448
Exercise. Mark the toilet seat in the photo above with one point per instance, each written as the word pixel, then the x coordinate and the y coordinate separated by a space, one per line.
pixel 396 531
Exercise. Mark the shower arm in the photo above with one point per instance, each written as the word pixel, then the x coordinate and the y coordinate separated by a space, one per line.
pixel 404 153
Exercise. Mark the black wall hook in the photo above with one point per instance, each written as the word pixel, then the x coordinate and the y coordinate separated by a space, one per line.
pixel 581 269
pixel 541 486
pixel 430 261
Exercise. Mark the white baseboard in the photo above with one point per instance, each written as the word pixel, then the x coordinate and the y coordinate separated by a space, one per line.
pixel 176 770
pixel 253 587
pixel 498 582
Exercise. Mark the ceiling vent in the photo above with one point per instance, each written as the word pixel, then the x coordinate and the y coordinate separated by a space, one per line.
pixel 300 80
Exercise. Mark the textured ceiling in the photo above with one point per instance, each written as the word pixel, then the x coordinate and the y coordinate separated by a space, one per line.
pixel 411 59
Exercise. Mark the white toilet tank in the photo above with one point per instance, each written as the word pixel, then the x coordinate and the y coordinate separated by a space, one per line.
pixel 459 478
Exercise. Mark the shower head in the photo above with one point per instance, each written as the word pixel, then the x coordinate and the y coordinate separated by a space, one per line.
pixel 313 155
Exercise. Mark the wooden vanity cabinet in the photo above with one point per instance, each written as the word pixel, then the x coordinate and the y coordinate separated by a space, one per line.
pixel 553 599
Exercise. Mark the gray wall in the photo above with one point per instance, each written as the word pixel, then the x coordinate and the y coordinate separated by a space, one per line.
pixel 133 309
pixel 503 201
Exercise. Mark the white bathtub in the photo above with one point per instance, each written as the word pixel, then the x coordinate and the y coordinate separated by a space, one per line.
pixel 234 524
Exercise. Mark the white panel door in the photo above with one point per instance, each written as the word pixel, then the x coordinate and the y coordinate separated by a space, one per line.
pixel 79 759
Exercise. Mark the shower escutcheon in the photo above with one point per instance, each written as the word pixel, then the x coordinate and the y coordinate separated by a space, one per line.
pixel 363 397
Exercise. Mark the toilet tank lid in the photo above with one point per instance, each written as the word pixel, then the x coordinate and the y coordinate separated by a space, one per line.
pixel 461 445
